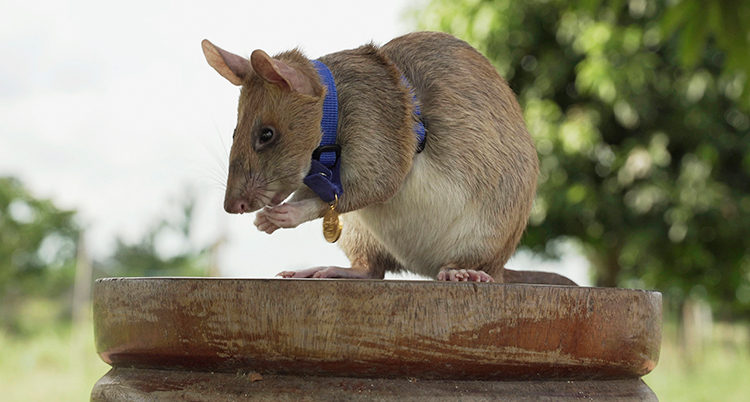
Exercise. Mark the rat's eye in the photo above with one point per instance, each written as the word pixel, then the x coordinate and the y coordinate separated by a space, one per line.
pixel 234 134
pixel 266 134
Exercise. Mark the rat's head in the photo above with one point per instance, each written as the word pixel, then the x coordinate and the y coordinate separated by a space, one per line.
pixel 278 125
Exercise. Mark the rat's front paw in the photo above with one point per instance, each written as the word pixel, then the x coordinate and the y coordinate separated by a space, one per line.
pixel 463 275
pixel 263 223
pixel 286 215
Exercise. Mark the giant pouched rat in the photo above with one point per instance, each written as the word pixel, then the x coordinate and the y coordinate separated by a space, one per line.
pixel 454 211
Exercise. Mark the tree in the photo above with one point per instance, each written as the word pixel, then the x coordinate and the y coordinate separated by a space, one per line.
pixel 37 249
pixel 639 111
pixel 145 258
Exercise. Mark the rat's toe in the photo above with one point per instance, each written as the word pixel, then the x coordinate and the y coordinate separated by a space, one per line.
pixel 463 275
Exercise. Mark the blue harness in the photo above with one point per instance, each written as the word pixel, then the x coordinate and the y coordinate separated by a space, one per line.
pixel 324 178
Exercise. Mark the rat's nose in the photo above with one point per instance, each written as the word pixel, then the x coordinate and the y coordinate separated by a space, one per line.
pixel 237 206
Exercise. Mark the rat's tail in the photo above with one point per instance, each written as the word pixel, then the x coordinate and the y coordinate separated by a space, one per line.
pixel 536 278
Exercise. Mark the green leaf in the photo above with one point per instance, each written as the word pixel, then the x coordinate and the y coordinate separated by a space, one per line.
pixel 676 16
pixel 693 40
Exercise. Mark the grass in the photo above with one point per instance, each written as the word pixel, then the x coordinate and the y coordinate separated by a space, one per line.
pixel 60 364
pixel 57 364
pixel 716 371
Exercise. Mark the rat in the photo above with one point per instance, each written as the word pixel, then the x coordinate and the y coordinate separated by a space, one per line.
pixel 451 205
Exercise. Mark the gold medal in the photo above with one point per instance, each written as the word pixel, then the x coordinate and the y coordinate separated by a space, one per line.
pixel 331 224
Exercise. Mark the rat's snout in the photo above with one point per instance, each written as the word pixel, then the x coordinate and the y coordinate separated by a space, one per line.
pixel 236 206
pixel 245 192
pixel 249 191
pixel 243 199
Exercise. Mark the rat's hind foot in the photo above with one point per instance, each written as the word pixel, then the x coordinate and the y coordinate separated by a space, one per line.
pixel 326 272
pixel 463 275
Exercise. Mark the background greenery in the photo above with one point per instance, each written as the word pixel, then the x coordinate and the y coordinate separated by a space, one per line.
pixel 40 254
pixel 47 350
pixel 639 110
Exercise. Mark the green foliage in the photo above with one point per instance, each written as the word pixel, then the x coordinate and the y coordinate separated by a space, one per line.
pixel 699 22
pixel 716 371
pixel 37 250
pixel 144 258
pixel 639 110
pixel 36 240
pixel 57 364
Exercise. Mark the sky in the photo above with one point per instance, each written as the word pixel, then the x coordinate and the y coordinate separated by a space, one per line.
pixel 110 108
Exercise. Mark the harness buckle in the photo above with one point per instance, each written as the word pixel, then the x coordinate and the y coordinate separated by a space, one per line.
pixel 335 148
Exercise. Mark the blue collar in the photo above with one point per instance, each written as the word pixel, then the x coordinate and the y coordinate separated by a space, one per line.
pixel 330 121
pixel 324 178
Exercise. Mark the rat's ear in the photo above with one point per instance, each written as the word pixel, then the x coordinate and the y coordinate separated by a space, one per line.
pixel 230 66
pixel 279 73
